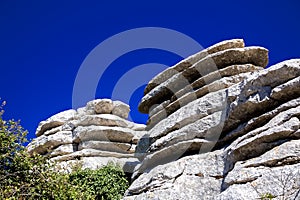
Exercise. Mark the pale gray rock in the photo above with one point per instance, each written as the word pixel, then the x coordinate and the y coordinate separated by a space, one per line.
pixel 188 62
pixel 127 164
pixel 138 127
pixel 91 153
pixel 251 97
pixel 259 148
pixel 43 144
pixel 98 106
pixel 83 111
pixel 172 153
pixel 253 55
pixel 55 121
pixel 67 166
pixel 262 139
pixel 63 150
pixel 103 120
pixel 286 90
pixel 281 181
pixel 107 146
pixel 67 126
pixel 103 106
pixel 120 109
pixel 205 82
pixel 202 128
pixel 259 121
pixel 202 107
pixel 200 175
pixel 191 96
pixel 216 75
pixel 104 133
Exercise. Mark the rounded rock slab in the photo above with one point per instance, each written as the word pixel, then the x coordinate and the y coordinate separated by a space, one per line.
pixel 249 55
pixel 168 73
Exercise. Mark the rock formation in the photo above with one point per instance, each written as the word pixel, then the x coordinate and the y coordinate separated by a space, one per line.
pixel 91 136
pixel 221 127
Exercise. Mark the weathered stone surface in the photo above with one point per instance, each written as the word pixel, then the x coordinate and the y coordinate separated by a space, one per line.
pixel 258 149
pixel 286 90
pixel 127 164
pixel 104 133
pixel 200 175
pixel 188 62
pixel 120 109
pixel 215 76
pixel 258 122
pixel 206 82
pixel 107 120
pixel 251 97
pixel 91 153
pixel 63 150
pixel 172 153
pixel 212 102
pixel 191 96
pixel 89 137
pixel 107 146
pixel 199 129
pixel 55 121
pixel 103 106
pixel 253 55
pixel 262 139
pixel 275 172
pixel 224 129
pixel 45 143
pixel 98 106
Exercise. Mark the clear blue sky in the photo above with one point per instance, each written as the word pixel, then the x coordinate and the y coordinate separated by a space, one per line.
pixel 43 43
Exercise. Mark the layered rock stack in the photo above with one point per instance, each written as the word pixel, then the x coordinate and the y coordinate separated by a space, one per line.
pixel 90 136
pixel 221 127
pixel 191 95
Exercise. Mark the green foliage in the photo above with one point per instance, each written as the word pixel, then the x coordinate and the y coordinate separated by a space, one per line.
pixel 108 182
pixel 267 196
pixel 25 176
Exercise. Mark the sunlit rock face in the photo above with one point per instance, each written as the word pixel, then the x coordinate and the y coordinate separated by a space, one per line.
pixel 90 136
pixel 221 126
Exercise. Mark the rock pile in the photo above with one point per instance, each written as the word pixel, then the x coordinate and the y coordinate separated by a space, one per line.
pixel 221 127
pixel 90 136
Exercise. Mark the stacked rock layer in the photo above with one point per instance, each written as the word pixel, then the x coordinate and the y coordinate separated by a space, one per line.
pixel 90 136
pixel 221 127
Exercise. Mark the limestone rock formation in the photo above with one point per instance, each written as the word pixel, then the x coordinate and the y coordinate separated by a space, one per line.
pixel 92 136
pixel 221 127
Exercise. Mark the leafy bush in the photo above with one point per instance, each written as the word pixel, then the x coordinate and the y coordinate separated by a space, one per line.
pixel 24 176
pixel 108 182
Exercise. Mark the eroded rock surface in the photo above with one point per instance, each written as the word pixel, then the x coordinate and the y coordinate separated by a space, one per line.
pixel 230 133
pixel 220 127
pixel 92 136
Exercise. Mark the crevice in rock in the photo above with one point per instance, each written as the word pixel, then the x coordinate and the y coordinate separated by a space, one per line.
pixel 217 176
pixel 291 160
pixel 231 160
pixel 254 123
pixel 244 181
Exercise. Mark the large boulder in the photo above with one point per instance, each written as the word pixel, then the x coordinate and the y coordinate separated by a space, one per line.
pixel 225 135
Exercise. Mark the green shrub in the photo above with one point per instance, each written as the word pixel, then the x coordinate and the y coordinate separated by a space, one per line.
pixel 267 196
pixel 24 176
pixel 108 182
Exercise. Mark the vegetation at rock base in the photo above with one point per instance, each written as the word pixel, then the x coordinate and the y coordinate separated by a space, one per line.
pixel 25 176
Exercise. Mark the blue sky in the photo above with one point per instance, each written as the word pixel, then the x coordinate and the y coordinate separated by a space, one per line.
pixel 43 43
